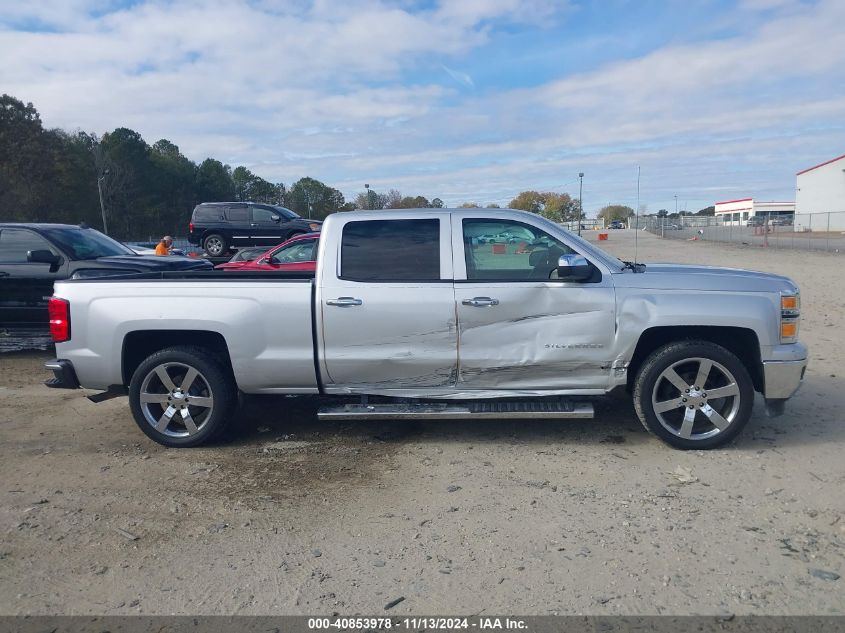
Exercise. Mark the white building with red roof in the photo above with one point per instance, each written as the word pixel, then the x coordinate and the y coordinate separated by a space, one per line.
pixel 821 190
pixel 739 212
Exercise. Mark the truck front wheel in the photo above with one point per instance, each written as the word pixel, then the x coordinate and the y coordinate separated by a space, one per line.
pixel 693 394
pixel 182 397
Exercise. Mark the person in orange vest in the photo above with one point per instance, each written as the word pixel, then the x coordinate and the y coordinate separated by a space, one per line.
pixel 163 247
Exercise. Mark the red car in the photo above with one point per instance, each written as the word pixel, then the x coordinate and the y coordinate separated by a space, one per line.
pixel 299 253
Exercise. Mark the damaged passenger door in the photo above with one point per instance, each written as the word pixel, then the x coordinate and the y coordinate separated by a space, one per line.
pixel 519 326
pixel 387 304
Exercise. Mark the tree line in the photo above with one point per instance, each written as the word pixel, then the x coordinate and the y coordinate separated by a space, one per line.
pixel 52 175
pixel 622 212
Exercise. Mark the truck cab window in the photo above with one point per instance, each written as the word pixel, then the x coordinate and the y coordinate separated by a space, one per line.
pixel 16 243
pixel 505 250
pixel 391 250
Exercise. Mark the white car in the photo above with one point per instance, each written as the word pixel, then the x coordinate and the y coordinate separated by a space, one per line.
pixel 143 250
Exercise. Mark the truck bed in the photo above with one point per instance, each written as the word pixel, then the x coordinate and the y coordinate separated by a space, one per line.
pixel 203 275
pixel 265 319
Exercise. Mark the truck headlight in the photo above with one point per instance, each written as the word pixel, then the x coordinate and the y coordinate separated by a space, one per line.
pixel 790 313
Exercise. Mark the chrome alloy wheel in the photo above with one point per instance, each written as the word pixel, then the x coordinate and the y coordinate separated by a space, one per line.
pixel 696 398
pixel 177 411
pixel 214 246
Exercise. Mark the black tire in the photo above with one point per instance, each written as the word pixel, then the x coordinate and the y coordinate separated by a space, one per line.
pixel 213 384
pixel 215 245
pixel 728 374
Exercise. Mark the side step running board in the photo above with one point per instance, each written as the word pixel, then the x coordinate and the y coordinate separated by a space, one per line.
pixel 482 410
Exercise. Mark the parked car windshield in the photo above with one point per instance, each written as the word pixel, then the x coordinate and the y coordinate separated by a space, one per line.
pixel 248 254
pixel 87 243
pixel 300 251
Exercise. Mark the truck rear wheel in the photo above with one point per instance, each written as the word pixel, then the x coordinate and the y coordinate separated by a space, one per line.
pixel 693 394
pixel 215 245
pixel 182 397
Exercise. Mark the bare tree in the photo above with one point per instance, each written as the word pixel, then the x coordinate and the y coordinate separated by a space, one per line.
pixel 394 199
pixel 114 177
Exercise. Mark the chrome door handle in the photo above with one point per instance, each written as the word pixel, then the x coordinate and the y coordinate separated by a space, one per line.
pixel 480 302
pixel 344 302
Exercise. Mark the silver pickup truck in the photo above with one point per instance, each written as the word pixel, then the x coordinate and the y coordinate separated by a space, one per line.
pixel 439 313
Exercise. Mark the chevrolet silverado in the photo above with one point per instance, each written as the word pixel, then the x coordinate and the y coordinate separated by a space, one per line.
pixel 439 313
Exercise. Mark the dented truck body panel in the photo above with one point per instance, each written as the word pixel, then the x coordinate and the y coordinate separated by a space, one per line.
pixel 539 336
pixel 642 309
pixel 448 338
pixel 401 334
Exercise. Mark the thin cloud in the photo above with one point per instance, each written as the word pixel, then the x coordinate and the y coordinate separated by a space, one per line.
pixel 354 92
pixel 460 77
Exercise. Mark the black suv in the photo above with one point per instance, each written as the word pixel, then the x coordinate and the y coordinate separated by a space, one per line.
pixel 221 226
pixel 33 256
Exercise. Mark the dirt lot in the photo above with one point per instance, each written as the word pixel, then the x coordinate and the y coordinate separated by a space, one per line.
pixel 295 516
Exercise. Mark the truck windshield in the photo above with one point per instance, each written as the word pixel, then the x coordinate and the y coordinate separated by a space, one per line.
pixel 287 214
pixel 584 246
pixel 86 243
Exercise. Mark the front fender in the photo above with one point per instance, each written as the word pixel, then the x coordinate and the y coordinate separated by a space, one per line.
pixel 638 311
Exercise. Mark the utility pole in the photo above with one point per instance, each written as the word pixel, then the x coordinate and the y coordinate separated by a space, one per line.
pixel 367 187
pixel 102 205
pixel 580 200
pixel 637 216
pixel 676 204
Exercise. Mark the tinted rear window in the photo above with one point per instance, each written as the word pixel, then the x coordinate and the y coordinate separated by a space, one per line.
pixel 238 214
pixel 391 250
pixel 208 214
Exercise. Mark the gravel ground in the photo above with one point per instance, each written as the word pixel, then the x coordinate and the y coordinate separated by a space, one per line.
pixel 293 516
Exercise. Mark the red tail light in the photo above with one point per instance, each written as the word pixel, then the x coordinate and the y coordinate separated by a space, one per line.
pixel 190 227
pixel 59 311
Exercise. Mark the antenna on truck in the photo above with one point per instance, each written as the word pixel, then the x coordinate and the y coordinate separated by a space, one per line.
pixel 637 217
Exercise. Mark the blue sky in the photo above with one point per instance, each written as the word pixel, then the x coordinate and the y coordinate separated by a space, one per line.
pixel 469 101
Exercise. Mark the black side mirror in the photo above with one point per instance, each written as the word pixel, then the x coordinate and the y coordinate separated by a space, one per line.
pixel 573 268
pixel 44 257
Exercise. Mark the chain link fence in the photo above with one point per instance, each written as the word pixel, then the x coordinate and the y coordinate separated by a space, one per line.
pixel 804 231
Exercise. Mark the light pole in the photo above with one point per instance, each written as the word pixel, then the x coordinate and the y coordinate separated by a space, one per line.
pixel 580 199
pixel 103 206
pixel 367 187
pixel 308 202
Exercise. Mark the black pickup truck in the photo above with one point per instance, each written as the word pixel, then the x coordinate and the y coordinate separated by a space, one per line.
pixel 33 256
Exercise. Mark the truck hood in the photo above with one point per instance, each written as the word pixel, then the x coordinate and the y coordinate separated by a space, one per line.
pixel 712 278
